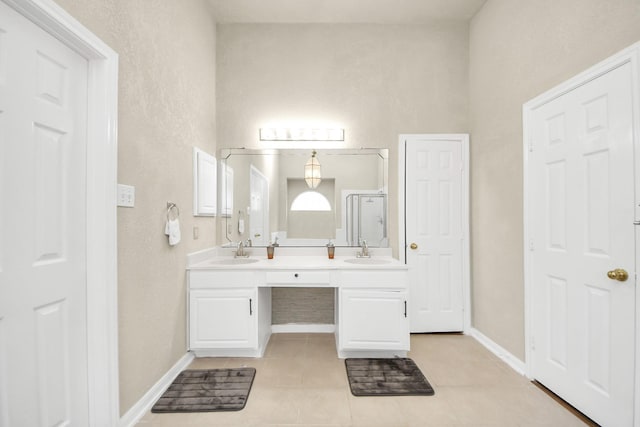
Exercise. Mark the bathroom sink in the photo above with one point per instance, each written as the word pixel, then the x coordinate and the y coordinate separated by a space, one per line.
pixel 367 261
pixel 234 261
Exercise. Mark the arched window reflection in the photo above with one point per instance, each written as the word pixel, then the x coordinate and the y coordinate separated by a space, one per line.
pixel 310 201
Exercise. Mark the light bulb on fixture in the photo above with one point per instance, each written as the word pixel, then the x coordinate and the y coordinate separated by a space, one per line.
pixel 301 134
pixel 312 175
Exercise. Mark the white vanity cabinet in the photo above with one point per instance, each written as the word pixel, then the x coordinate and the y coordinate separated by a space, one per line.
pixel 373 313
pixel 230 305
pixel 223 318
pixel 228 313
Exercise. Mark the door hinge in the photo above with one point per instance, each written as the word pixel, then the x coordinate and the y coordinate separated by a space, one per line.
pixel 531 245
pixel 636 222
pixel 530 144
pixel 532 343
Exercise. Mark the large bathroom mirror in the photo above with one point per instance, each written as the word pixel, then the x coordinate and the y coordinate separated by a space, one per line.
pixel 265 198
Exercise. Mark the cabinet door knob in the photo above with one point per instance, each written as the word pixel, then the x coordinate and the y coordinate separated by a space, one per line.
pixel 295 275
pixel 414 246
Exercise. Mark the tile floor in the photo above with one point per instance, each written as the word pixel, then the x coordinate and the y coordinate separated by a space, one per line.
pixel 301 382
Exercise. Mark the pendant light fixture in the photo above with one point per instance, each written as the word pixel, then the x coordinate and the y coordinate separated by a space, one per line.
pixel 312 174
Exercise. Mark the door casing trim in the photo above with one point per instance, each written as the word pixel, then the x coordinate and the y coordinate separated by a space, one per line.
pixel 102 109
pixel 402 237
pixel 630 55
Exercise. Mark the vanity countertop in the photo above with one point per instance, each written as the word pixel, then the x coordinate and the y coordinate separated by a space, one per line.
pixel 289 262
pixel 292 262
pixel 290 258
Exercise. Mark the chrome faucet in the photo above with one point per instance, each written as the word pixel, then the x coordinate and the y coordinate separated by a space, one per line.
pixel 240 252
pixel 365 250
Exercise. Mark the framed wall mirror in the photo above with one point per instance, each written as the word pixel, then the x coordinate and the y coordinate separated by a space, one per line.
pixel 304 197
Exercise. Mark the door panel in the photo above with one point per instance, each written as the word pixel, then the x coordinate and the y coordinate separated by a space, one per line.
pixel 434 222
pixel 43 316
pixel 581 214
pixel 373 319
pixel 223 318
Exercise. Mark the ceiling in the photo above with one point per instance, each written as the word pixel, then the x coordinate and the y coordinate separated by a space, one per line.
pixel 343 11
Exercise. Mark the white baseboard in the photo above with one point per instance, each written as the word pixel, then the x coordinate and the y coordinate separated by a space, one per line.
pixel 143 405
pixel 516 364
pixel 303 328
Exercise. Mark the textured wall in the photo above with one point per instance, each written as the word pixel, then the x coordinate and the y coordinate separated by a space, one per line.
pixel 166 107
pixel 377 81
pixel 519 49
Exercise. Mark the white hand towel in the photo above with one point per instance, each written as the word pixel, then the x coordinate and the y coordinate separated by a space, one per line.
pixel 172 229
pixel 241 226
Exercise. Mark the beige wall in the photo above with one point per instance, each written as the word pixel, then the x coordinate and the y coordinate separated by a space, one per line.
pixel 166 107
pixel 378 81
pixel 519 49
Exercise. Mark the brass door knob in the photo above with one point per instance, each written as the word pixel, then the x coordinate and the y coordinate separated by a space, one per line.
pixel 618 274
pixel 413 246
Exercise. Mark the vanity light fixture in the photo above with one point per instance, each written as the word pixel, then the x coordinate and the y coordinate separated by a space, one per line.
pixel 312 175
pixel 301 134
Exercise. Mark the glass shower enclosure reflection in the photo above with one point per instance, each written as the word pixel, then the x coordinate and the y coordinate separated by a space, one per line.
pixel 366 216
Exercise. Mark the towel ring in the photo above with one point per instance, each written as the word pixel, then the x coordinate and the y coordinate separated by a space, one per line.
pixel 172 207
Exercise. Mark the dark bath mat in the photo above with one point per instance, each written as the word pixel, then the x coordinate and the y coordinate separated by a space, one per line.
pixel 386 377
pixel 207 390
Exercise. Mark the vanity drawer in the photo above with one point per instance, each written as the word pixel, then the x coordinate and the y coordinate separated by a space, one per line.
pixel 208 279
pixel 378 278
pixel 303 276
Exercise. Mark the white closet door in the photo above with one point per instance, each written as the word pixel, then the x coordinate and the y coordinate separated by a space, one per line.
pixel 436 227
pixel 43 314
pixel 581 213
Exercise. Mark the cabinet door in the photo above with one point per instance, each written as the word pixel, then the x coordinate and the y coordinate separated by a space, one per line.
pixel 223 318
pixel 373 319
pixel 204 183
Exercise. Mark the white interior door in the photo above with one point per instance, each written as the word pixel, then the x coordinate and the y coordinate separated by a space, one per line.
pixel 43 317
pixel 581 213
pixel 259 220
pixel 436 231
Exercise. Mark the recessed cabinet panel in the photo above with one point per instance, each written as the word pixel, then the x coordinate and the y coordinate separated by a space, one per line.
pixel 204 183
pixel 223 318
pixel 373 319
pixel 51 195
pixel 599 333
pixel 52 324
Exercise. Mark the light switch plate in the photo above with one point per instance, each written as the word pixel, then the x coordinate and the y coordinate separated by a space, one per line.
pixel 126 195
